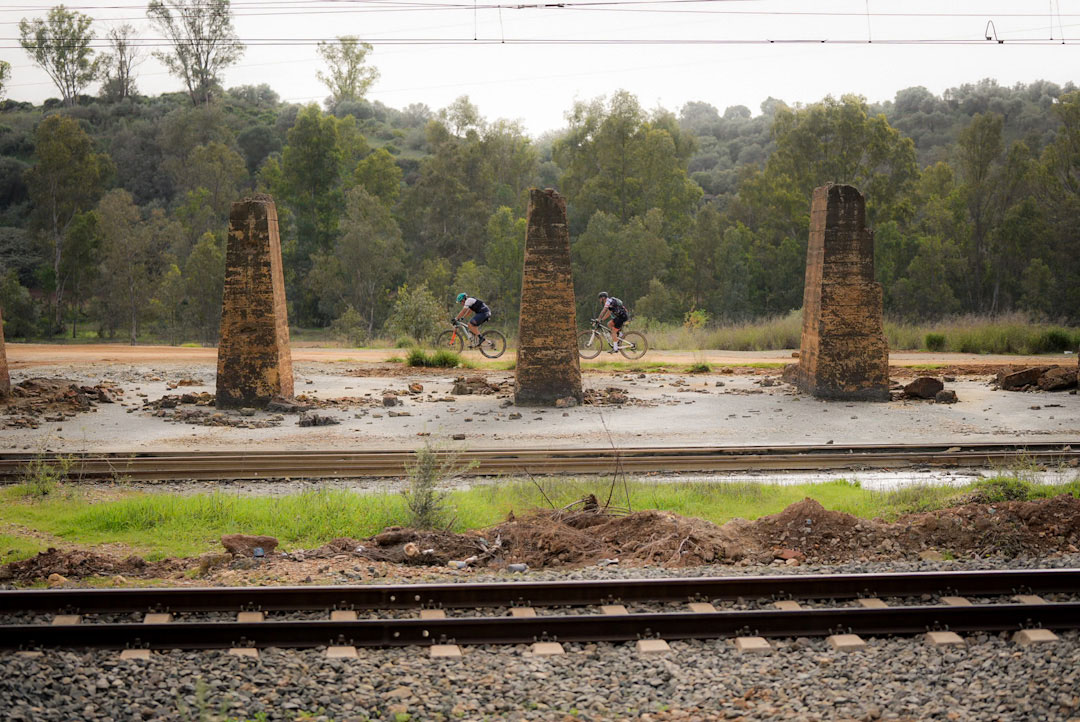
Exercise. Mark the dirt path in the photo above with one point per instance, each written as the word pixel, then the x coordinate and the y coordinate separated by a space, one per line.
pixel 26 355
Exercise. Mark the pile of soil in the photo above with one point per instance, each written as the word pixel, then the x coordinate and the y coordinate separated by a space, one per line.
pixel 79 563
pixel 588 535
pixel 52 399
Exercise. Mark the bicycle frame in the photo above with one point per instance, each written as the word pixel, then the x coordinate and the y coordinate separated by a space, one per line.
pixel 463 327
pixel 599 329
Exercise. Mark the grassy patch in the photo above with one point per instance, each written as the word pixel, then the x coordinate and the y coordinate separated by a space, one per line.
pixel 442 358
pixel 160 525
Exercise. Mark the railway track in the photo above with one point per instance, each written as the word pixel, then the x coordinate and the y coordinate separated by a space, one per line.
pixel 167 466
pixel 844 595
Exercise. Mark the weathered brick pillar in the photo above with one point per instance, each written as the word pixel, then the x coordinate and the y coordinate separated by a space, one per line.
pixel 254 362
pixel 844 353
pixel 548 367
pixel 5 379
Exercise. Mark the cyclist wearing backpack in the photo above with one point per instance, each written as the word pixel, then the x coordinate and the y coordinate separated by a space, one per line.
pixel 615 311
pixel 481 314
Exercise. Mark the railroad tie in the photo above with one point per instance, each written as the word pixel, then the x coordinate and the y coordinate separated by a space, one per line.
pixel 1029 599
pixel 1028 637
pixel 445 651
pixel 522 612
pixel 752 645
pixel 135 654
pixel 341 652
pixel 956 601
pixel 701 607
pixel 65 619
pixel 613 609
pixel 846 642
pixel 787 605
pixel 245 652
pixel 250 617
pixel 943 639
pixel 872 603
pixel 547 649
pixel 157 618
pixel 432 614
pixel 343 615
pixel 648 647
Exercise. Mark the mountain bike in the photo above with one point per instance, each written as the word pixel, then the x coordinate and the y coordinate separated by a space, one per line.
pixel 491 343
pixel 632 345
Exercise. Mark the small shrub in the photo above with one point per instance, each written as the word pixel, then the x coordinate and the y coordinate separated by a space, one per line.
pixel 426 504
pixel 417 357
pixel 935 341
pixel 700 368
pixel 1053 340
pixel 405 342
pixel 416 313
pixel 1003 489
pixel 41 478
pixel 445 359
pixel 695 319
pixel 350 328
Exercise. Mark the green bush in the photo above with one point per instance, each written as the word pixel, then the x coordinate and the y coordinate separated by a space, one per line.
pixel 1001 489
pixel 405 342
pixel 935 341
pixel 1054 340
pixel 416 313
pixel 441 359
pixel 350 328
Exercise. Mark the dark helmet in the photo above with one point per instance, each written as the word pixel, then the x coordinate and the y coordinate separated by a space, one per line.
pixel 461 297
pixel 602 294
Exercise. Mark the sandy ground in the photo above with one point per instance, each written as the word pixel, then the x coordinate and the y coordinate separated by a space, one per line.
pixel 665 409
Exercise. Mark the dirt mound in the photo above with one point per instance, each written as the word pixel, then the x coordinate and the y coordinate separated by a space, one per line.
pixel 78 563
pixel 52 399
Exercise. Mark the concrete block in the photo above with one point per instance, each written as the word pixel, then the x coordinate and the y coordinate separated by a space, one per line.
pixel 522 612
pixel 956 601
pixel 158 618
pixel 245 652
pixel 701 608
pixel 341 652
pixel 343 615
pixel 872 603
pixel 254 360
pixel 250 617
pixel 141 654
pixel 846 642
pixel 613 609
pixel 652 646
pixel 1029 599
pixel 1027 637
pixel 545 649
pixel 432 614
pixel 752 645
pixel 445 651
pixel 548 366
pixel 64 619
pixel 943 639
pixel 787 605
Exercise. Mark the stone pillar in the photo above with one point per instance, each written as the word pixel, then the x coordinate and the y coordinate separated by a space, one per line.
pixel 548 367
pixel 254 361
pixel 5 379
pixel 844 353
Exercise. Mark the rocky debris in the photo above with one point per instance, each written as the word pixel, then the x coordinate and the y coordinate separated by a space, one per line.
pixel 610 396
pixel 1021 380
pixel 416 388
pixel 924 387
pixel 171 401
pixel 390 400
pixel 246 544
pixel 473 385
pixel 52 399
pixel 945 396
pixel 566 402
pixel 287 406
pixel 193 411
pixel 313 419
pixel 1057 378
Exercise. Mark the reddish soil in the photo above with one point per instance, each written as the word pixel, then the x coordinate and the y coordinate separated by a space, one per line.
pixel 805 532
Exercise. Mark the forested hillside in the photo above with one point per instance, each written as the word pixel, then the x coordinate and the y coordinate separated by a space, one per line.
pixel 113 209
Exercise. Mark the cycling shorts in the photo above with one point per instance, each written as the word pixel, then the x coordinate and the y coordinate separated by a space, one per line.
pixel 480 317
pixel 619 318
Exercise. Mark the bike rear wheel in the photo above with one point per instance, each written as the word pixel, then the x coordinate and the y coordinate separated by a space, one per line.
pixel 451 340
pixel 589 344
pixel 493 345
pixel 633 345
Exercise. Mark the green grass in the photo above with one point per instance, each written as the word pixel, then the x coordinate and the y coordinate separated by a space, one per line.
pixel 443 358
pixel 161 525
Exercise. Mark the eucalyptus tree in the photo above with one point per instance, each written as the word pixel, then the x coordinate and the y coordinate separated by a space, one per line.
pixel 60 45
pixel 117 68
pixel 348 75
pixel 204 42
pixel 5 76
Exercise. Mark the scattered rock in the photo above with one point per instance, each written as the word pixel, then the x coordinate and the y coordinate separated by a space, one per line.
pixel 1057 379
pixel 565 402
pixel 56 580
pixel 314 419
pixel 416 388
pixel 514 416
pixel 1020 380
pixel 389 400
pixel 247 411
pixel 924 387
pixel 945 396
pixel 246 544
pixel 472 385
pixel 287 406
pixel 458 437
pixel 931 555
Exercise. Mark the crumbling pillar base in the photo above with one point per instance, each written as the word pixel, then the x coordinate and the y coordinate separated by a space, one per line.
pixel 548 367
pixel 254 360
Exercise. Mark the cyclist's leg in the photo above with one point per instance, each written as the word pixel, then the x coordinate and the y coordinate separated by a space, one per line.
pixel 474 326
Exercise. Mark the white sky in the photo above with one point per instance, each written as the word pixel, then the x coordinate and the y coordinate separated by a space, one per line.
pixel 537 83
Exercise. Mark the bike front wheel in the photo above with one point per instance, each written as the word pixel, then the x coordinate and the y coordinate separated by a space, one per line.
pixel 633 345
pixel 493 345
pixel 450 340
pixel 589 344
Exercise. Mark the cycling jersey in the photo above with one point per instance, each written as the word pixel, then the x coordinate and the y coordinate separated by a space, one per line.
pixel 476 305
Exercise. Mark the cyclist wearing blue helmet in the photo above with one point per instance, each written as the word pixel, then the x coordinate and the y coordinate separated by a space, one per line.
pixel 480 311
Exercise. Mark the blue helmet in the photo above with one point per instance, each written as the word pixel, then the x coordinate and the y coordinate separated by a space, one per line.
pixel 461 297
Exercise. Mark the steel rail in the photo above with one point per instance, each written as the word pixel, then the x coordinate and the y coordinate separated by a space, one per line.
pixel 578 628
pixel 490 462
pixel 565 593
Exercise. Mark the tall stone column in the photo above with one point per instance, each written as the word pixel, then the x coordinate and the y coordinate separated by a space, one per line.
pixel 254 361
pixel 844 352
pixel 5 379
pixel 548 367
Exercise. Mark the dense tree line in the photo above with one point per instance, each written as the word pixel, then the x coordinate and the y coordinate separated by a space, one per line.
pixel 113 209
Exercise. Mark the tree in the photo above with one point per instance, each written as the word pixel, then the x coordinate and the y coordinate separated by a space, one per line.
pixel 349 77
pixel 5 76
pixel 219 170
pixel 67 179
pixel 118 81
pixel 204 279
pixel 504 256
pixel 204 42
pixel 379 175
pixel 170 303
pixel 60 45
pixel 82 240
pixel 128 260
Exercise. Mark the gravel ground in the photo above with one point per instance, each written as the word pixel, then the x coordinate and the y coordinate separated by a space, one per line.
pixel 803 679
